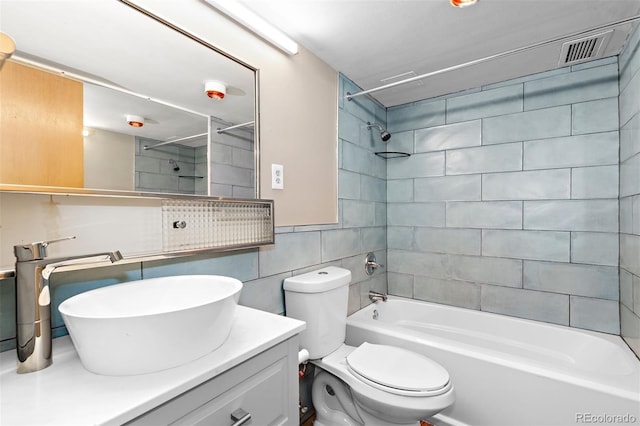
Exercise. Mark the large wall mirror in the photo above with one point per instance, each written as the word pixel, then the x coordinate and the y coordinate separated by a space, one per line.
pixel 102 97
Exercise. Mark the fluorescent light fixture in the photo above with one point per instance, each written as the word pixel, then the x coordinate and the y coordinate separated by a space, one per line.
pixel 246 17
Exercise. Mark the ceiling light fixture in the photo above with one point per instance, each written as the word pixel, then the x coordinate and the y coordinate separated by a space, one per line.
pixel 463 3
pixel 215 89
pixel 135 120
pixel 246 17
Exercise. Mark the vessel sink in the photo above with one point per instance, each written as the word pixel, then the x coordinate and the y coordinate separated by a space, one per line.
pixel 150 325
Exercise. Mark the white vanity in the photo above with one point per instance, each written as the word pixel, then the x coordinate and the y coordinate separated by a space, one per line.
pixel 254 372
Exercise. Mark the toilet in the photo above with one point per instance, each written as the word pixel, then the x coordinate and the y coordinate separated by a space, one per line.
pixel 371 385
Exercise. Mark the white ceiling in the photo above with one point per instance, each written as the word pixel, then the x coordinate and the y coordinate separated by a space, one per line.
pixel 372 40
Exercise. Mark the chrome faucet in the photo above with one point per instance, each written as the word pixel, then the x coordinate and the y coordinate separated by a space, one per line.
pixel 374 296
pixel 33 300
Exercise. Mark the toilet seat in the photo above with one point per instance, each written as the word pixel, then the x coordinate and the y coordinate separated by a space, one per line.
pixel 389 405
pixel 397 370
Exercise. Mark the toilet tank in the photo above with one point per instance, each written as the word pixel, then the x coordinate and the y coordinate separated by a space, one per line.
pixel 320 299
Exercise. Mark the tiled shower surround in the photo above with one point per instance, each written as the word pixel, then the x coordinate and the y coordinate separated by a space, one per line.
pixel 630 193
pixel 154 172
pixel 232 163
pixel 508 203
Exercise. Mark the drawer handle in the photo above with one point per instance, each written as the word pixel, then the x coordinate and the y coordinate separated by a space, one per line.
pixel 240 417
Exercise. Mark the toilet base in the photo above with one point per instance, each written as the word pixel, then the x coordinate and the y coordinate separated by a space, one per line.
pixel 333 402
pixel 335 405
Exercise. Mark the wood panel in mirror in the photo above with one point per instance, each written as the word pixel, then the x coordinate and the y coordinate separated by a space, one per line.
pixel 40 128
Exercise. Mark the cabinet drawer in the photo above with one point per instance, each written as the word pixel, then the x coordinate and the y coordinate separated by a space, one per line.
pixel 262 396
pixel 264 386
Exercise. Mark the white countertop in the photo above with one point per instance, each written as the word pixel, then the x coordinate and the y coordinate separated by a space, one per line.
pixel 67 394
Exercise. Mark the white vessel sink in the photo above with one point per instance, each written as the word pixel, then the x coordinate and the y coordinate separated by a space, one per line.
pixel 150 325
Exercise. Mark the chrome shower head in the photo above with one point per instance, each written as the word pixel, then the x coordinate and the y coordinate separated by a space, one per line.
pixel 384 135
pixel 175 165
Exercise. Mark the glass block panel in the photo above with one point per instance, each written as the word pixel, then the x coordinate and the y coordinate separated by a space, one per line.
pixel 211 224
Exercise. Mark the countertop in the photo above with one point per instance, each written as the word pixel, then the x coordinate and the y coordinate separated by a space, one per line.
pixel 67 394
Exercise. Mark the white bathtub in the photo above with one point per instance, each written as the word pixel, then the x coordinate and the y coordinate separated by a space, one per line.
pixel 511 371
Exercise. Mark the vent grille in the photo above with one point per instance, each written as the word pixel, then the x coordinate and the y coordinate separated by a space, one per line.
pixel 584 49
pixel 581 50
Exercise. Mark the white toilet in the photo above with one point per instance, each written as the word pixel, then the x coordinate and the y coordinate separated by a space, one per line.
pixel 366 385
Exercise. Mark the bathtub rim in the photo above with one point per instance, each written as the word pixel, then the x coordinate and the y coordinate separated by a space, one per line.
pixel 624 385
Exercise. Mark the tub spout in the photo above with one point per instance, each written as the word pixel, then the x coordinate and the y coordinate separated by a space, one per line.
pixel 33 300
pixel 374 296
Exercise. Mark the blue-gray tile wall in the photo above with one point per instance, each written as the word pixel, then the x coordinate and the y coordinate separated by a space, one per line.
pixel 154 173
pixel 629 175
pixel 510 201
pixel 232 164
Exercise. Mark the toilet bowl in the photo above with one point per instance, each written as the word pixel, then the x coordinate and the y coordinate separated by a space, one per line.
pixel 385 385
pixel 371 385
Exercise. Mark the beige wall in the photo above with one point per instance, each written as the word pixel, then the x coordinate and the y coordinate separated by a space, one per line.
pixel 298 112
pixel 109 161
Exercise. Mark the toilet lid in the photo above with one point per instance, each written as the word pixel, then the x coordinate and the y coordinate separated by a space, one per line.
pixel 397 368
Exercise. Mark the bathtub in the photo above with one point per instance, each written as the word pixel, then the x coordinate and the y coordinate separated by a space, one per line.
pixel 511 371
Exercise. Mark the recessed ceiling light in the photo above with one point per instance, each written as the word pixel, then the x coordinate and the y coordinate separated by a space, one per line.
pixel 215 89
pixel 135 120
pixel 463 3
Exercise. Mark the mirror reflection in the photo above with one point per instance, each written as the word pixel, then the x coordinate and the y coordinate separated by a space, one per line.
pixel 100 96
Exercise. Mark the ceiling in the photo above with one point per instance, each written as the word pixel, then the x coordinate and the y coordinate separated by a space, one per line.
pixel 371 41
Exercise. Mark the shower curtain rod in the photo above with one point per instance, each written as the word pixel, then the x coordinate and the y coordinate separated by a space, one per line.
pixel 237 126
pixel 158 145
pixel 350 96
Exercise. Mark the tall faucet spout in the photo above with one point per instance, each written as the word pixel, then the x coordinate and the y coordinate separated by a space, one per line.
pixel 33 301
pixel 113 256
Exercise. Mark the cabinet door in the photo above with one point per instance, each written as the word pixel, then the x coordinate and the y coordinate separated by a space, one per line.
pixel 262 396
pixel 265 386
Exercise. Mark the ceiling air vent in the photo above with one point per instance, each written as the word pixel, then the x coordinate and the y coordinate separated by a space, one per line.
pixel 584 49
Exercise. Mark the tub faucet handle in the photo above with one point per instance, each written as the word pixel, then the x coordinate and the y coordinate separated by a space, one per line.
pixel 370 264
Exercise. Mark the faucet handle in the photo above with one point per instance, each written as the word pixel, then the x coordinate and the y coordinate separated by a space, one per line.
pixel 370 264
pixel 35 251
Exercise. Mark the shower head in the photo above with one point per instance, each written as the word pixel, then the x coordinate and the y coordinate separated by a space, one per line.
pixel 174 163
pixel 384 135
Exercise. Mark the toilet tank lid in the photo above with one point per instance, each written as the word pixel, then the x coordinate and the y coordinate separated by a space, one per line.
pixel 319 281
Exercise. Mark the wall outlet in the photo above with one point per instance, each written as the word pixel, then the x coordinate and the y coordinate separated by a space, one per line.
pixel 277 176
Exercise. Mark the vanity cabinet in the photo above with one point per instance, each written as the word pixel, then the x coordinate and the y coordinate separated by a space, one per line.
pixel 265 386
